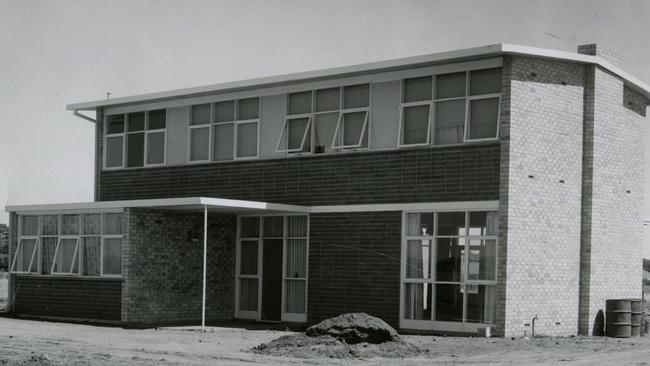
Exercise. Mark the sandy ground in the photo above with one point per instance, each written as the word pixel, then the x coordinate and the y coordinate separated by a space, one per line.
pixel 24 342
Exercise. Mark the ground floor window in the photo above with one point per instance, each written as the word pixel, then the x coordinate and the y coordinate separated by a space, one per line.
pixel 272 254
pixel 81 244
pixel 449 269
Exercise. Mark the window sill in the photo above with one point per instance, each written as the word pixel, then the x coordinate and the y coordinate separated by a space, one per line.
pixel 69 277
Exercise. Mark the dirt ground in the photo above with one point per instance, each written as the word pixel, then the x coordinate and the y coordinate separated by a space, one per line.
pixel 25 342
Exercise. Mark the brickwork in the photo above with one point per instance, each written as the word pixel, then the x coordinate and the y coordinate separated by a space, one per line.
pixel 541 197
pixel 461 173
pixel 612 218
pixel 99 147
pixel 163 267
pixel 74 297
pixel 354 265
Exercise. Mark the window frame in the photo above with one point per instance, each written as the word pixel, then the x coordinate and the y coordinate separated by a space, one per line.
pixel 365 130
pixel 35 255
pixel 124 135
pixel 79 247
pixel 211 131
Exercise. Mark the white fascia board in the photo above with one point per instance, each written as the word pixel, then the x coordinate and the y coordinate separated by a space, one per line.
pixel 253 205
pixel 450 56
pixel 417 206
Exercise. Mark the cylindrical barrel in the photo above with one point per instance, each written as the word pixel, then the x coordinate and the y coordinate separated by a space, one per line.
pixel 636 307
pixel 619 318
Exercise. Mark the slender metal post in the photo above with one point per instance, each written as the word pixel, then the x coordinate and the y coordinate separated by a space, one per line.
pixel 205 255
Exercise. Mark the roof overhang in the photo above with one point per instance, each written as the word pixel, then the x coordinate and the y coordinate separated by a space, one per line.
pixel 373 67
pixel 179 204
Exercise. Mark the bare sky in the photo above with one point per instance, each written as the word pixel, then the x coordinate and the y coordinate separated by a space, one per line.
pixel 57 52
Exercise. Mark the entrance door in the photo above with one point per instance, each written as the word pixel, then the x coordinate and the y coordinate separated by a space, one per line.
pixel 272 280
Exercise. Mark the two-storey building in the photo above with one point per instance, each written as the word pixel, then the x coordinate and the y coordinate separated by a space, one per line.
pixel 445 192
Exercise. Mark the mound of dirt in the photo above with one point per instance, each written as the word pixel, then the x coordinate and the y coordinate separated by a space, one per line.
pixel 353 328
pixel 302 346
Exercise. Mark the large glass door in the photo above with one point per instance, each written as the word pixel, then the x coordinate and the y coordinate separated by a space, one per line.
pixel 449 271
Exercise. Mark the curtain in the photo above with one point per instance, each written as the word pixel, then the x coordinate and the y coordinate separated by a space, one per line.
pixel 450 122
pixel 248 294
pixel 70 224
pixel 113 223
pixel 492 223
pixel 48 246
pixel 297 226
pixel 295 301
pixel 30 225
pixel 92 224
pixel 50 225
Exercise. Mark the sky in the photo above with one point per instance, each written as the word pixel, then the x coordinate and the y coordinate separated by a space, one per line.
pixel 54 53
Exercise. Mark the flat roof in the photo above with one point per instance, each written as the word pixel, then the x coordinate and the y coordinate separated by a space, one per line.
pixel 416 61
pixel 181 204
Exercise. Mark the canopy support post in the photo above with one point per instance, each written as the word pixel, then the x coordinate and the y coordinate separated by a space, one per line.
pixel 205 252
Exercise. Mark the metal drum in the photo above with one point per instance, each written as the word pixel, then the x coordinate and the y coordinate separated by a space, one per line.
pixel 636 307
pixel 618 318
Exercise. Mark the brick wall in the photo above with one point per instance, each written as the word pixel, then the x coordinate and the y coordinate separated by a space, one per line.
pixel 462 173
pixel 163 267
pixel 79 298
pixel 354 265
pixel 612 241
pixel 540 204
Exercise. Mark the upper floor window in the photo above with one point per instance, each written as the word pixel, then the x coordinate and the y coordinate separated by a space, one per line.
pixel 135 139
pixel 224 130
pixel 456 108
pixel 326 120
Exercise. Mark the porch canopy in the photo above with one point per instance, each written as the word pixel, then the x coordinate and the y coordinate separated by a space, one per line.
pixel 195 204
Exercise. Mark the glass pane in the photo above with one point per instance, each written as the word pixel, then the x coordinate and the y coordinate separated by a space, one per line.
pixel 481 303
pixel 92 224
pixel 136 121
pixel 248 294
pixel 250 227
pixel 415 126
pixel 353 124
pixel 199 144
pixel 115 124
pixel 157 119
pixel 246 140
pixel 417 89
pixel 91 255
pixel 483 118
pixel 299 103
pixel 327 99
pixel 48 247
pixel 295 301
pixel 156 148
pixel 297 128
pixel 273 226
pixel 483 223
pixel 482 260
pixel 112 257
pixel 418 259
pixel 135 149
pixel 356 96
pixel 248 109
pixel 450 122
pixel 449 303
pixel 248 258
pixel 24 254
pixel 450 85
pixel 200 114
pixel 296 226
pixel 223 141
pixel 324 133
pixel 485 81
pixel 114 151
pixel 451 223
pixel 30 225
pixel 113 223
pixel 70 224
pixel 65 260
pixel 50 225
pixel 449 259
pixel 419 224
pixel 224 111
pixel 417 301
pixel 296 258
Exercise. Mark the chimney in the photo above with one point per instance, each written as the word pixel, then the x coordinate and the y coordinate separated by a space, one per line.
pixel 606 53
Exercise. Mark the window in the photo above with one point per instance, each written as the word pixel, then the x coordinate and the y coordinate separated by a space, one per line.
pixel 135 139
pixel 86 244
pixel 224 130
pixel 455 107
pixel 290 233
pixel 449 267
pixel 326 120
